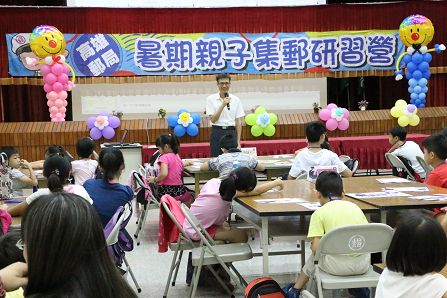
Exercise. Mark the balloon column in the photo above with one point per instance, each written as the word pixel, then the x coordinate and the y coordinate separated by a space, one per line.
pixel 48 43
pixel 103 125
pixel 405 113
pixel 261 122
pixel 335 117
pixel 184 122
pixel 416 32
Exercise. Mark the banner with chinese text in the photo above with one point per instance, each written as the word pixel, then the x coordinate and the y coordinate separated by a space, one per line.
pixel 210 53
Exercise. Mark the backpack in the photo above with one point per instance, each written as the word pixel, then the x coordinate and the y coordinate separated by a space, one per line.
pixel 400 172
pixel 264 287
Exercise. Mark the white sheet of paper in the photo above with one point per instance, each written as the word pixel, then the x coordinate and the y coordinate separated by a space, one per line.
pixel 282 156
pixel 435 197
pixel 377 194
pixel 280 201
pixel 310 206
pixel 268 161
pixel 409 188
pixel 393 180
pixel 283 163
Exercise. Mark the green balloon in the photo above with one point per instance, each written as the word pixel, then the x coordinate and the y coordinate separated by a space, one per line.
pixel 260 110
pixel 273 118
pixel 256 130
pixel 250 119
pixel 269 130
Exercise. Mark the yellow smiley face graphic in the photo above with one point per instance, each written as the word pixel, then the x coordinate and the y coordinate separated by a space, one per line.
pixel 47 41
pixel 416 30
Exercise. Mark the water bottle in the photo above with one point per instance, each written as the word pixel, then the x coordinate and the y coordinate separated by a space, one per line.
pixel 236 164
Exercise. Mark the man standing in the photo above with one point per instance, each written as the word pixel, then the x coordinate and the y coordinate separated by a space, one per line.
pixel 225 111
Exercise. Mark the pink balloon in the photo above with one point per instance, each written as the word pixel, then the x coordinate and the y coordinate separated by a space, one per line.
pixel 57 87
pixel 59 115
pixel 331 124
pixel 47 88
pixel 45 69
pixel 343 124
pixel 65 102
pixel 62 78
pixel 65 68
pixel 53 115
pixel 62 94
pixel 59 103
pixel 325 114
pixel 57 68
pixel 346 114
pixel 53 119
pixel 66 87
pixel 52 95
pixel 62 110
pixel 53 110
pixel 49 78
pixel 50 103
pixel 108 132
pixel 331 106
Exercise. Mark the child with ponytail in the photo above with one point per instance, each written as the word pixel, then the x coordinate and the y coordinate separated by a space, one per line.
pixel 57 170
pixel 213 204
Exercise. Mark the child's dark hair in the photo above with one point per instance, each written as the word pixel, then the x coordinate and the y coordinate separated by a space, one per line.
pixel 9 252
pixel 168 139
pixel 325 144
pixel 314 131
pixel 223 76
pixel 229 143
pixel 57 150
pixel 57 170
pixel 444 132
pixel 85 147
pixel 242 179
pixel 111 162
pixel 437 144
pixel 418 247
pixel 399 132
pixel 9 150
pixel 329 184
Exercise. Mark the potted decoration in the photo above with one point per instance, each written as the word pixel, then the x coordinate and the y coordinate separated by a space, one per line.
pixel 363 104
pixel 162 113
pixel 316 107
pixel 118 114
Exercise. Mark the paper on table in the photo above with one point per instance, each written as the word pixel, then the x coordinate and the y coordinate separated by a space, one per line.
pixel 310 206
pixel 377 194
pixel 393 180
pixel 266 161
pixel 435 197
pixel 38 172
pixel 409 188
pixel 283 163
pixel 192 160
pixel 282 156
pixel 280 201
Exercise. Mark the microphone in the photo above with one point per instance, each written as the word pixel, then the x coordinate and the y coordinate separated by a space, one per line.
pixel 228 104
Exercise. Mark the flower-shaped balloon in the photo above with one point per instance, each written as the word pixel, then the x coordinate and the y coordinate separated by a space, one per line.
pixel 184 123
pixel 335 117
pixel 103 125
pixel 261 122
pixel 405 113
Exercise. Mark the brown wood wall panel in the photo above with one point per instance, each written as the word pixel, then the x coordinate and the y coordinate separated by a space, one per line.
pixel 32 138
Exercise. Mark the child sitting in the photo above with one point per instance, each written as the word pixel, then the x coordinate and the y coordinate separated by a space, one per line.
pixel 57 170
pixel 50 151
pixel 107 193
pixel 314 155
pixel 416 253
pixel 10 254
pixel 333 213
pixel 231 154
pixel 435 153
pixel 15 165
pixel 169 178
pixel 213 204
pixel 84 168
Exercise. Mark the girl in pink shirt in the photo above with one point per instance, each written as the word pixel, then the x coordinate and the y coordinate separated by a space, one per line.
pixel 213 204
pixel 169 178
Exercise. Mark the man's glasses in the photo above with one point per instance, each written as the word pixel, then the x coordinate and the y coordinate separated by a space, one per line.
pixel 224 83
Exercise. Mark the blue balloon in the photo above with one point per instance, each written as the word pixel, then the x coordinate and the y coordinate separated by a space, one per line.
pixel 412 82
pixel 421 106
pixel 410 90
pixel 195 118
pixel 408 75
pixel 414 96
pixel 181 111
pixel 407 59
pixel 192 130
pixel 417 89
pixel 424 89
pixel 412 101
pixel 179 130
pixel 423 66
pixel 411 67
pixel 422 96
pixel 416 58
pixel 427 57
pixel 172 121
pixel 417 74
pixel 426 74
pixel 417 102
pixel 423 82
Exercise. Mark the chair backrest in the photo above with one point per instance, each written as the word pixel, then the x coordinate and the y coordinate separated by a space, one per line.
pixel 302 175
pixel 355 239
pixel 171 216
pixel 427 168
pixel 306 294
pixel 140 184
pixel 344 158
pixel 396 162
pixel 355 167
pixel 122 213
pixel 197 226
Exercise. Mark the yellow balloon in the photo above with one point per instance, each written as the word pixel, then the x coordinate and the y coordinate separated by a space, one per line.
pixel 269 130
pixel 416 30
pixel 273 118
pixel 403 120
pixel 414 120
pixel 250 119
pixel 47 41
pixel 396 112
pixel 260 110
pixel 256 130
pixel 400 103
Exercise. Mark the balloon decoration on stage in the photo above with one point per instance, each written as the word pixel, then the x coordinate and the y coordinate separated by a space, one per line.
pixel 405 113
pixel 184 123
pixel 416 32
pixel 261 122
pixel 103 125
pixel 48 43
pixel 335 117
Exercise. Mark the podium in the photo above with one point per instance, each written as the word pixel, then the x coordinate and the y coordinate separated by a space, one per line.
pixel 132 159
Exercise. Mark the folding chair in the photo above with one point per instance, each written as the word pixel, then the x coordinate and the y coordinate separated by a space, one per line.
pixel 351 239
pixel 306 294
pixel 113 238
pixel 427 168
pixel 145 198
pixel 344 158
pixel 396 162
pixel 210 253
